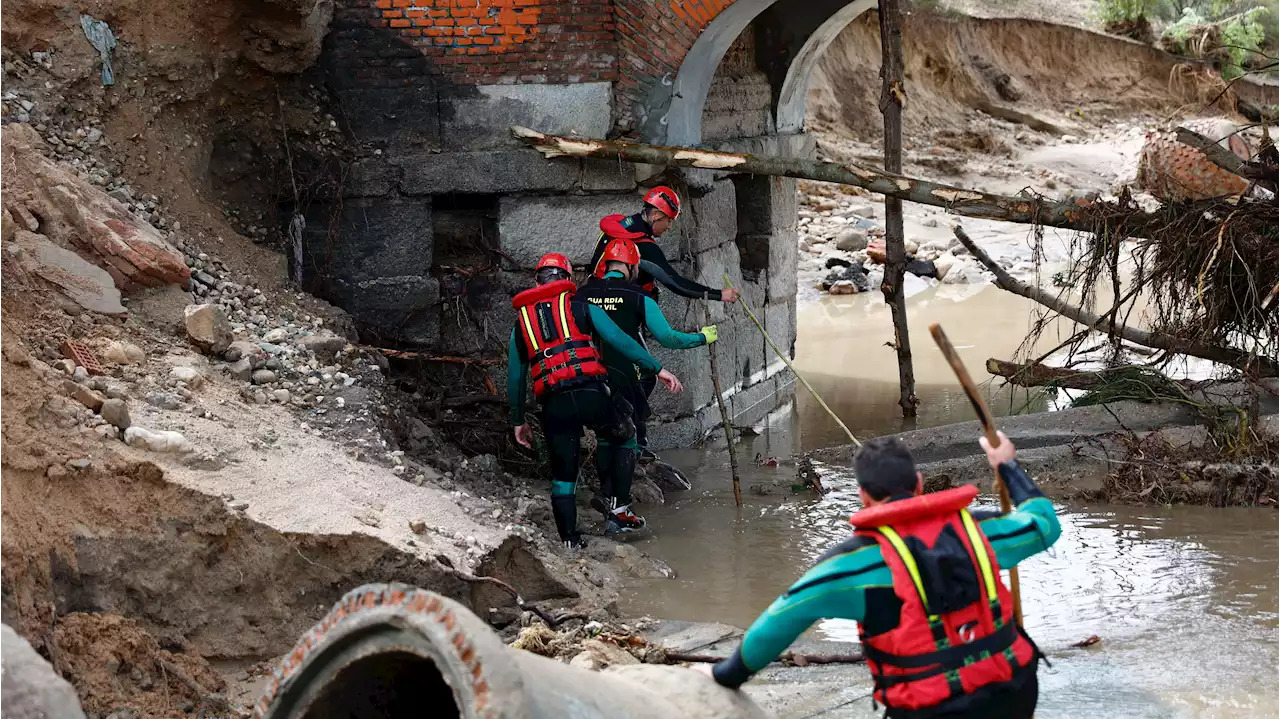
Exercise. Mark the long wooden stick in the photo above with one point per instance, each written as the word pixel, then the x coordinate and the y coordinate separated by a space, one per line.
pixel 781 355
pixel 724 416
pixel 1086 215
pixel 989 429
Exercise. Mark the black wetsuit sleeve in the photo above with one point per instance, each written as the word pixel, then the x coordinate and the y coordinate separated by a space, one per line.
pixel 654 261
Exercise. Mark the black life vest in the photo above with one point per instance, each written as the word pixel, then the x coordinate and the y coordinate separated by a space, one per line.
pixel 559 353
pixel 952 638
pixel 624 303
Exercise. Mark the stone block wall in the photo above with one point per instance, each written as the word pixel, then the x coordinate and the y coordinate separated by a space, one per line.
pixel 441 214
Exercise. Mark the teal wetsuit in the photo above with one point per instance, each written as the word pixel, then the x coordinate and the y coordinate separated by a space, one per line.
pixel 838 585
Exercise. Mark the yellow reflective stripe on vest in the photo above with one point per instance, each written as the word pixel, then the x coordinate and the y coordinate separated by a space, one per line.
pixel 901 548
pixel 980 551
pixel 564 316
pixel 528 328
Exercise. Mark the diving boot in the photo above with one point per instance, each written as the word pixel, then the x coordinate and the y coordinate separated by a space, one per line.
pixel 647 456
pixel 623 520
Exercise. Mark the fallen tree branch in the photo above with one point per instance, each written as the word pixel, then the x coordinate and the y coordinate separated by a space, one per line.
pixel 211 700
pixel 1082 214
pixel 1230 356
pixel 1222 157
pixel 1034 374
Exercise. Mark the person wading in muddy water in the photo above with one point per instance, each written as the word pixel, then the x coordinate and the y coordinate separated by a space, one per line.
pixel 631 310
pixel 553 340
pixel 921 576
pixel 661 207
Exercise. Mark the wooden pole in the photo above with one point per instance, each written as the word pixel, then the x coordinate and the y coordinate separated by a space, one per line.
pixel 724 415
pixel 781 355
pixel 892 99
pixel 989 429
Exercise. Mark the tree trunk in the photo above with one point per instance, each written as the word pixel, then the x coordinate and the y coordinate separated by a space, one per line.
pixel 1031 374
pixel 892 99
pixel 1229 356
pixel 1073 214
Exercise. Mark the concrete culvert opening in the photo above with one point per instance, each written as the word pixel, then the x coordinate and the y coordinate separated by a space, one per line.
pixel 387 685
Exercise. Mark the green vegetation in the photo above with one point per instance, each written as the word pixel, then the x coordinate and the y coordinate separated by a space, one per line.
pixel 1238 36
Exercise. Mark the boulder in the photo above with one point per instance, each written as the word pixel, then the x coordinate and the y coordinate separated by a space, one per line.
pixel 155 441
pixel 241 369
pixel 84 283
pixel 208 327
pixel 32 689
pixel 922 268
pixel 75 213
pixel 843 287
pixel 851 240
pixel 943 265
pixel 124 353
pixel 116 412
pixel 324 345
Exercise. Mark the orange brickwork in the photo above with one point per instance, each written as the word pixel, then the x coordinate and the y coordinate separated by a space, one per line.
pixel 476 42
pixel 653 37
pixel 1171 170
pixel 472 42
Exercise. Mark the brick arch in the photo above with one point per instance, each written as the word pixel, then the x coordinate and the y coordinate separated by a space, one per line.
pixel 793 38
pixel 793 91
pixel 662 87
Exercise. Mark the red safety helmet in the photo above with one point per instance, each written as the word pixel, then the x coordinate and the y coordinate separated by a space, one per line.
pixel 621 250
pixel 556 260
pixel 665 199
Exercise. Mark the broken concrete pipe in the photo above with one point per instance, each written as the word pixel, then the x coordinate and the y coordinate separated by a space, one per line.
pixel 393 650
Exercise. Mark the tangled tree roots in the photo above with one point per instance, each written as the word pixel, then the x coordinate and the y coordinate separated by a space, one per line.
pixel 1228 471
pixel 1208 272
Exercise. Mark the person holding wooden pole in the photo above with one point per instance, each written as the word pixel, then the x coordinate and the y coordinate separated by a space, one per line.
pixel 921 576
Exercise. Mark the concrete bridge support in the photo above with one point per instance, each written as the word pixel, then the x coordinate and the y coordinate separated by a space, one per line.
pixel 390 650
pixel 432 227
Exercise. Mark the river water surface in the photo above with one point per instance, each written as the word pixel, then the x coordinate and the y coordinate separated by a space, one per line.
pixel 1184 598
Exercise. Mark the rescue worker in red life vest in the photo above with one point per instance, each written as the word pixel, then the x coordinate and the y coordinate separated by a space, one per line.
pixel 661 207
pixel 553 340
pixel 921 576
pixel 633 311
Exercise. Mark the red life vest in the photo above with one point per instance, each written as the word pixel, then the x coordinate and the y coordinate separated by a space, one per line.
pixel 559 352
pixel 934 655
pixel 611 228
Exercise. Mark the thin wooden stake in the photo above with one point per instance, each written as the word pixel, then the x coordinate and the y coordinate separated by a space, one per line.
pixel 892 99
pixel 742 301
pixel 989 429
pixel 724 416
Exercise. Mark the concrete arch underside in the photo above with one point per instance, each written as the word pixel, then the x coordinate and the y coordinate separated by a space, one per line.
pixel 792 37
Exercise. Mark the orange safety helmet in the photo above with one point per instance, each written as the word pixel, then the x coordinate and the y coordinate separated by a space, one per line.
pixel 621 250
pixel 555 259
pixel 664 199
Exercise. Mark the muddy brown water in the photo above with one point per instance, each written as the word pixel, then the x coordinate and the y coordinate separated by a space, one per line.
pixel 1184 598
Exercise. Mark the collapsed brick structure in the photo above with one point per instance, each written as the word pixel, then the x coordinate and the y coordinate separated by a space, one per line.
pixel 442 206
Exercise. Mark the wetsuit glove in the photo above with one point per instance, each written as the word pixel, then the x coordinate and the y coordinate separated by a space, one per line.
pixel 709 334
